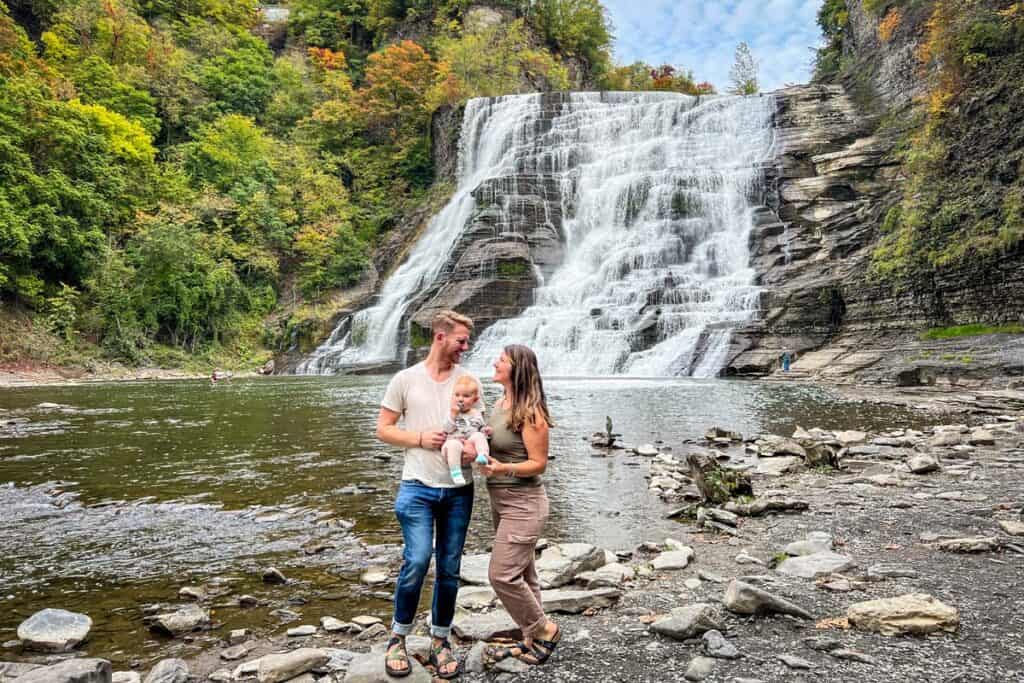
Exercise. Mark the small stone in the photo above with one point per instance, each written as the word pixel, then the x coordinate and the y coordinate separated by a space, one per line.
pixel 301 631
pixel 366 620
pixel 373 632
pixel 923 464
pixel 237 652
pixel 332 625
pixel 54 630
pixel 962 496
pixel 816 542
pixel 777 466
pixel 878 572
pixel 970 544
pixel 273 575
pixel 184 620
pixel 794 662
pixel 742 598
pixel 813 566
pixel 168 671
pixel 238 635
pixel 941 439
pixel 715 645
pixel 575 602
pixel 689 621
pixel 915 613
pixel 699 668
pixel 745 558
pixel 673 559
pixel 647 450
pixel 374 577
pixel 692 583
pixel 192 593
pixel 851 437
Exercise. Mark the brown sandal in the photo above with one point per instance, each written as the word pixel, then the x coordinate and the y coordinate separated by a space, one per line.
pixel 396 654
pixel 440 655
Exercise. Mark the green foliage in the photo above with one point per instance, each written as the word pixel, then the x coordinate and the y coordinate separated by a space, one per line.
pixel 973 330
pixel 576 27
pixel 833 17
pixel 513 269
pixel 62 312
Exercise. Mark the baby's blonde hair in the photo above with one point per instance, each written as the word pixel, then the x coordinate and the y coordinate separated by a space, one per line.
pixel 467 381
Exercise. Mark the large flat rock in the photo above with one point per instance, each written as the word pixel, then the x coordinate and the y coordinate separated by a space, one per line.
pixel 54 630
pixel 913 614
pixel 283 667
pixel 496 624
pixel 473 569
pixel 369 668
pixel 574 601
pixel 71 671
pixel 815 565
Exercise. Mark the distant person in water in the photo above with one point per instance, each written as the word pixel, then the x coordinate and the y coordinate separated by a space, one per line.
pixel 785 361
pixel 464 423
pixel 428 498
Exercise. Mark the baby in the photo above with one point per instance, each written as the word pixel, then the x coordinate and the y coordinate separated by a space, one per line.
pixel 465 422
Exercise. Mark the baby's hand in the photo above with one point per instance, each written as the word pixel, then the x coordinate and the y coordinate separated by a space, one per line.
pixel 487 431
pixel 456 406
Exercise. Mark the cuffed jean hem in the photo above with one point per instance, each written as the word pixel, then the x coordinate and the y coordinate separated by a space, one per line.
pixel 440 631
pixel 401 629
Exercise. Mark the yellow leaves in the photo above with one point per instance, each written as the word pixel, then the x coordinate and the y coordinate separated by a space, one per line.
pixel 126 138
pixel 887 27
pixel 327 60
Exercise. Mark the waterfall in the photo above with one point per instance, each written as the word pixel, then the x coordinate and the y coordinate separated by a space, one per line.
pixel 657 195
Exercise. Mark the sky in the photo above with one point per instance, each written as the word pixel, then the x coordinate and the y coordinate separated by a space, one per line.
pixel 702 36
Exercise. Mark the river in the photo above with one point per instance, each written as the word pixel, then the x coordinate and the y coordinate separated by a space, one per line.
pixel 124 492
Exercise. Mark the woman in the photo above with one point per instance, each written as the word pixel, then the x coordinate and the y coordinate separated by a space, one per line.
pixel 519 504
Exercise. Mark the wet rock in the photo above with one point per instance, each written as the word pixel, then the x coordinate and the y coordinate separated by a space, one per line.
pixel 374 577
pixel 373 632
pixel 914 613
pixel 54 630
pixel 715 645
pixel 813 566
pixel 237 651
pixel 473 569
pixel 366 620
pixel 816 542
pixel 574 602
pixel 333 625
pixel 10 670
pixel 981 437
pixel 285 615
pixel 273 575
pixel 742 598
pixel 647 450
pixel 970 544
pixel 184 620
pixel 771 445
pixel 794 662
pixel 699 668
pixel 777 466
pixel 1012 527
pixel 923 464
pixel 561 563
pixel 70 671
pixel 941 439
pixel 192 593
pixel 248 601
pixel 301 631
pixel 286 666
pixel 496 624
pixel 673 559
pixel 689 621
pixel 132 677
pixel 718 433
pixel 168 671
pixel 238 635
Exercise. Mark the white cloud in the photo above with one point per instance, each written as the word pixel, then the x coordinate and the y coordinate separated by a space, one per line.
pixel 702 36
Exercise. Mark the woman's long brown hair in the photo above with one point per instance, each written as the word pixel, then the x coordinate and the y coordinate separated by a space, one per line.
pixel 527 397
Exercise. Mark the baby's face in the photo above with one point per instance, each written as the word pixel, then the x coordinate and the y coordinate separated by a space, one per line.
pixel 466 398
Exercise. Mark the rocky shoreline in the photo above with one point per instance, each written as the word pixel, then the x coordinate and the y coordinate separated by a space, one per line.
pixel 852 556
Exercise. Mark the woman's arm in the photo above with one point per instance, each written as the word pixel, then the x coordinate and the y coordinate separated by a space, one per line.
pixel 535 438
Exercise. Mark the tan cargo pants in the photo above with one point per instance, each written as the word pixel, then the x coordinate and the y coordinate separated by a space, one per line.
pixel 519 514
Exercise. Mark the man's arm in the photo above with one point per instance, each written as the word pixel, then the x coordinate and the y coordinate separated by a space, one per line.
pixel 389 432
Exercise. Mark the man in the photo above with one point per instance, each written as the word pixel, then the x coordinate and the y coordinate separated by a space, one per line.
pixel 427 496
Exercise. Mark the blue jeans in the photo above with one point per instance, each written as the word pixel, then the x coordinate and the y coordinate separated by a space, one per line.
pixel 421 508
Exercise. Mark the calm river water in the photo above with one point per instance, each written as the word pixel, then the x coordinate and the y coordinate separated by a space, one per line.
pixel 127 491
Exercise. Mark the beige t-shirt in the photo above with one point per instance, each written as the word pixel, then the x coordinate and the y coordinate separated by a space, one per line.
pixel 423 405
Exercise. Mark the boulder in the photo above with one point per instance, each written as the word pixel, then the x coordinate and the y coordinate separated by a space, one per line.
pixel 561 563
pixel 813 566
pixel 915 614
pixel 70 671
pixel 574 602
pixel 743 598
pixel 496 624
pixel 168 671
pixel 286 666
pixel 473 569
pixel 673 559
pixel 184 620
pixel 689 621
pixel 369 668
pixel 54 630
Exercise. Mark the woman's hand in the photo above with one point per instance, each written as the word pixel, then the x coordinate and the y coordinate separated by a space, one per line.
pixel 494 468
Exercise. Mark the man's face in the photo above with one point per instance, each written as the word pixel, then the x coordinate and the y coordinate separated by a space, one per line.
pixel 455 343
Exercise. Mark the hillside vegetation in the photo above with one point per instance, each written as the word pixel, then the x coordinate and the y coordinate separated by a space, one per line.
pixel 171 186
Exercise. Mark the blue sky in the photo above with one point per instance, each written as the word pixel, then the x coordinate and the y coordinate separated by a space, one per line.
pixel 702 36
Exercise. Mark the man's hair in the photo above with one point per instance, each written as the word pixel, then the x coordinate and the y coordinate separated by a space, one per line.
pixel 446 321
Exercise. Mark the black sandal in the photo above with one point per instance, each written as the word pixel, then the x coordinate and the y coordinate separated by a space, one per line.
pixel 396 653
pixel 541 650
pixel 495 653
pixel 440 655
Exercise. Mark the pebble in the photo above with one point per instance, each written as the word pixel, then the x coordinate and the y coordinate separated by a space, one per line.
pixel 301 631
pixel 699 668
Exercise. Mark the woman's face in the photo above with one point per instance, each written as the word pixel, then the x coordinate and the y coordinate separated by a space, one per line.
pixel 502 369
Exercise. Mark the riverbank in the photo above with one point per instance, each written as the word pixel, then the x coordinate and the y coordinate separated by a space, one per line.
pixel 935 512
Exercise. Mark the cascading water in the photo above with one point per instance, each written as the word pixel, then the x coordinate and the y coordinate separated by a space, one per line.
pixel 657 194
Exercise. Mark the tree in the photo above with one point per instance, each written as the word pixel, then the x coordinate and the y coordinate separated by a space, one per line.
pixel 743 73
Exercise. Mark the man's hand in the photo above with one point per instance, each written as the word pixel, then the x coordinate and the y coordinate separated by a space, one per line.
pixel 433 440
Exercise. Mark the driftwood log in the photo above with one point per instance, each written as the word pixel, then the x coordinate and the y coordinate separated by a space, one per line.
pixel 717 484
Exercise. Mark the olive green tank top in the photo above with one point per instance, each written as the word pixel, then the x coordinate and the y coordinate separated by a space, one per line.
pixel 508 447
